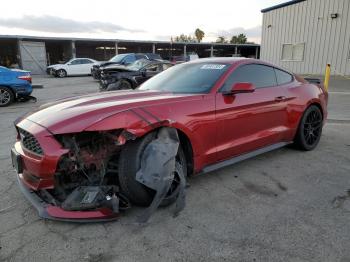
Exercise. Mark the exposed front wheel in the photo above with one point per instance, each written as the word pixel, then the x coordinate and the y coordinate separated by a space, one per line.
pixel 6 96
pixel 310 129
pixel 130 163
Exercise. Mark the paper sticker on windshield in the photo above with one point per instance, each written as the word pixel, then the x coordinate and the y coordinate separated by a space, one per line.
pixel 213 66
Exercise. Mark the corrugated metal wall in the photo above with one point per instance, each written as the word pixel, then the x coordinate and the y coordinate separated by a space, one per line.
pixel 326 40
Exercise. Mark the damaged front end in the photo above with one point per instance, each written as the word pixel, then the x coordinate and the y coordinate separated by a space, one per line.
pixel 78 180
pixel 84 184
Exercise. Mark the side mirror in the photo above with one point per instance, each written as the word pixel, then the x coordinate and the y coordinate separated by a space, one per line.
pixel 242 87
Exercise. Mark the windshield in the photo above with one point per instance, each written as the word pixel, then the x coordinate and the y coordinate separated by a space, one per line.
pixel 117 58
pixel 137 65
pixel 187 78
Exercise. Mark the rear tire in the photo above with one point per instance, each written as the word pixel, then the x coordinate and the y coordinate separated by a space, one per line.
pixel 310 129
pixel 6 96
pixel 129 164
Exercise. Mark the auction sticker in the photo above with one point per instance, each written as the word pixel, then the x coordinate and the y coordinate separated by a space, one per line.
pixel 213 66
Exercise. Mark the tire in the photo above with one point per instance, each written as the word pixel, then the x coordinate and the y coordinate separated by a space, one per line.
pixel 61 73
pixel 310 129
pixel 119 85
pixel 129 164
pixel 6 96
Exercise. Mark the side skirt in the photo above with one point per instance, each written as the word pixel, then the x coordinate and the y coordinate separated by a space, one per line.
pixel 243 157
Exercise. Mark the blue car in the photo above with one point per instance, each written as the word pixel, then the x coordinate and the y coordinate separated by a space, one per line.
pixel 15 84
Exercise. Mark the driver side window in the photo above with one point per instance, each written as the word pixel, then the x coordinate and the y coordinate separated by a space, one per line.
pixel 259 75
pixel 75 62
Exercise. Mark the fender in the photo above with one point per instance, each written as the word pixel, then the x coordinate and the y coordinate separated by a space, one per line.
pixel 139 122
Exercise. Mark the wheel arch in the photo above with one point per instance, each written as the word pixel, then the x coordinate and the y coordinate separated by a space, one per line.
pixel 185 143
pixel 131 82
pixel 315 103
pixel 13 90
pixel 319 107
pixel 61 68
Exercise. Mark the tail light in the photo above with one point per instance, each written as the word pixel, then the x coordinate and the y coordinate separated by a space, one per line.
pixel 26 78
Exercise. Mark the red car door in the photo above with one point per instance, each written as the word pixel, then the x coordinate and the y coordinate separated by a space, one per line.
pixel 249 121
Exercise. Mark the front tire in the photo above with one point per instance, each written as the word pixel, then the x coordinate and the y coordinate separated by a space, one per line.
pixel 130 163
pixel 119 85
pixel 6 96
pixel 310 129
pixel 61 73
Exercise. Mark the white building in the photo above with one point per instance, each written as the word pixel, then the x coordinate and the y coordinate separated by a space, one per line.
pixel 304 35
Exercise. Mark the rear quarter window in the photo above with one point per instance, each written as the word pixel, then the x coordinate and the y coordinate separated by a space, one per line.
pixel 283 77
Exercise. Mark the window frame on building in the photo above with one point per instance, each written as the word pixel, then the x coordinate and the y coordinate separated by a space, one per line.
pixel 292 58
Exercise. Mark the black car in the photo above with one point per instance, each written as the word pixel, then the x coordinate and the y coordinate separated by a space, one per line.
pixel 117 77
pixel 121 59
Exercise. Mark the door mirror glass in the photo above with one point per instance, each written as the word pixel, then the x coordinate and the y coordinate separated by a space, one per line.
pixel 241 87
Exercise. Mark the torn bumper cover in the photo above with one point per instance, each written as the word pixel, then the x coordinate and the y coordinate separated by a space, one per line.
pixel 50 211
pixel 84 187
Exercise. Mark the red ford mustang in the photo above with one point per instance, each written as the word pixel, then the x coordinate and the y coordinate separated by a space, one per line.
pixel 78 157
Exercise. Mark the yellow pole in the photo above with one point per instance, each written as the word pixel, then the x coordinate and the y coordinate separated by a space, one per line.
pixel 326 76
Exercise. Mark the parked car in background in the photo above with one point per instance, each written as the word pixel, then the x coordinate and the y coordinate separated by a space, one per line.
pixel 219 111
pixel 117 77
pixel 14 84
pixel 122 59
pixel 75 66
pixel 181 59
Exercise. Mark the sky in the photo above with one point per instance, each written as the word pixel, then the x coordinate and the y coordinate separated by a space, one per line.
pixel 133 19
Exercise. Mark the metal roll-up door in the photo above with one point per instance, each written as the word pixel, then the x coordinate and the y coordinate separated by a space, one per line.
pixel 33 56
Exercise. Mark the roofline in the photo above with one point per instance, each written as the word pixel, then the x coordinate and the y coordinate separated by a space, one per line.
pixel 281 5
pixel 25 37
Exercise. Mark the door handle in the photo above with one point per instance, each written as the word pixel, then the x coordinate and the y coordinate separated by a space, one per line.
pixel 280 98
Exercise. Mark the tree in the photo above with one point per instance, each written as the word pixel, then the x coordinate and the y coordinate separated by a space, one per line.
pixel 185 39
pixel 221 39
pixel 199 34
pixel 239 39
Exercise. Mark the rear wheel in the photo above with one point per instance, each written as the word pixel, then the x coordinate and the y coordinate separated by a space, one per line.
pixel 6 96
pixel 310 129
pixel 61 73
pixel 130 163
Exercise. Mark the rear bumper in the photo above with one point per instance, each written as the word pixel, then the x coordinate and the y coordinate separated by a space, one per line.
pixel 23 90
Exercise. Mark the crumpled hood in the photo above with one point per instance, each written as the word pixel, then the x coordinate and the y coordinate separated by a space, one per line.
pixel 102 65
pixel 75 114
pixel 55 66
pixel 117 67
